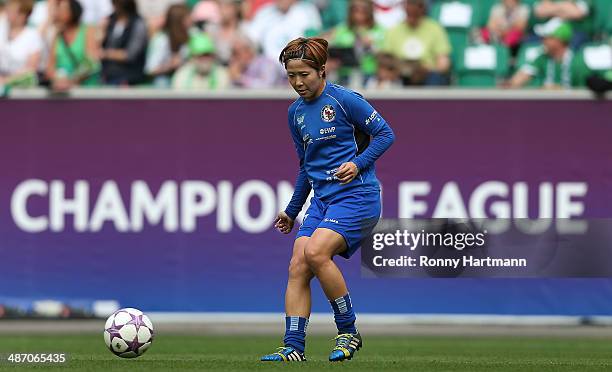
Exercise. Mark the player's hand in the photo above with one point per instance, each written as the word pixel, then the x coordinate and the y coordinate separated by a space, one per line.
pixel 283 223
pixel 347 172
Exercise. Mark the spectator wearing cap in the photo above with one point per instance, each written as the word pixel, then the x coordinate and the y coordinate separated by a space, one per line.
pixel 125 45
pixel 576 12
pixel 249 70
pixel 73 59
pixel 202 71
pixel 422 45
pixel 168 48
pixel 277 23
pixel 557 67
pixel 507 23
pixel 20 46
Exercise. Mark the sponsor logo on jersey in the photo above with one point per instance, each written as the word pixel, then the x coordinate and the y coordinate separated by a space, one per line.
pixel 328 113
pixel 371 118
pixel 300 119
pixel 330 220
pixel 327 130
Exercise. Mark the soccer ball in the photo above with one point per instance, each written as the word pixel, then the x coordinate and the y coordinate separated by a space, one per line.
pixel 128 333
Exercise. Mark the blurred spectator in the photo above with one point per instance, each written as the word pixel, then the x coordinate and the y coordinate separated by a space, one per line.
pixel 228 29
pixel 44 17
pixel 168 49
pixel 20 46
pixel 557 67
pixel 125 45
pixel 249 70
pixel 154 12
pixel 577 12
pixel 203 71
pixel 94 11
pixel 387 74
pixel 421 45
pixel 73 57
pixel 507 23
pixel 276 24
pixel 360 36
pixel 251 7
pixel 389 13
pixel 206 15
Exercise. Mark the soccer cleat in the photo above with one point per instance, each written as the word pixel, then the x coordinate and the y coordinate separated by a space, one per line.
pixel 346 346
pixel 285 354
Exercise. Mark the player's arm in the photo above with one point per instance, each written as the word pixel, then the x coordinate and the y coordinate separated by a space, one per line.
pixel 364 117
pixel 302 186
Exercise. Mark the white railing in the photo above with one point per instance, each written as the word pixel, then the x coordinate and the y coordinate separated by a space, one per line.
pixel 409 94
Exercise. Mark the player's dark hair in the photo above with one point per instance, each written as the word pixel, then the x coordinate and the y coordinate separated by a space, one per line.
pixel 311 50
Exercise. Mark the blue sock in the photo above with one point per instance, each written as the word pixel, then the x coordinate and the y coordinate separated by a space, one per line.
pixel 295 332
pixel 344 314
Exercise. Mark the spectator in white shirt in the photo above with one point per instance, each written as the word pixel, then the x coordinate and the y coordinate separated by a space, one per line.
pixel 20 46
pixel 94 11
pixel 275 24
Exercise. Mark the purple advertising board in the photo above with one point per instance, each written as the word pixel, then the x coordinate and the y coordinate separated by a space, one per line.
pixel 167 205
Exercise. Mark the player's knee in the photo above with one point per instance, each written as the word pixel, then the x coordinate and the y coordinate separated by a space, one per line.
pixel 299 269
pixel 315 257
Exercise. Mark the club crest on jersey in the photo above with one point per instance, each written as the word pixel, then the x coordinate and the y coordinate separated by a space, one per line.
pixel 328 113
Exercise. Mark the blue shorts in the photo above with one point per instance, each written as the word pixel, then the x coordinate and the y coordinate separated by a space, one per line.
pixel 353 216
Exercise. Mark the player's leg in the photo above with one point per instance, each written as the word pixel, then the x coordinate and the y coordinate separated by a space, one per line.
pixel 322 246
pixel 344 226
pixel 298 297
pixel 297 307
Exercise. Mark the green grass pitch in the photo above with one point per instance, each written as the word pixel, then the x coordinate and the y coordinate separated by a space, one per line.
pixel 241 353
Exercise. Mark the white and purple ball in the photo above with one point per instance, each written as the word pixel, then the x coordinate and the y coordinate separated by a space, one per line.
pixel 128 333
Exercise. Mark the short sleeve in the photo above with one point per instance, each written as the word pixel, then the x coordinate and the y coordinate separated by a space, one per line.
pixel 442 46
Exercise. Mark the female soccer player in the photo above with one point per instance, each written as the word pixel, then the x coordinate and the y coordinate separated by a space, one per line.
pixel 331 128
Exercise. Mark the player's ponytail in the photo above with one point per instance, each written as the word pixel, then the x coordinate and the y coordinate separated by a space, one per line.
pixel 310 50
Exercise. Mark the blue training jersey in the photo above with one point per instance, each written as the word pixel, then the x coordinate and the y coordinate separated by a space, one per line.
pixel 337 127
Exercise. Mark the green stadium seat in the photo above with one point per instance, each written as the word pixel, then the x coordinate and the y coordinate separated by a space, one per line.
pixel 484 10
pixel 591 59
pixel 458 17
pixel 483 65
pixel 602 16
pixel 532 18
pixel 597 57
